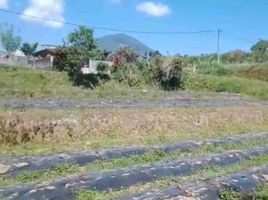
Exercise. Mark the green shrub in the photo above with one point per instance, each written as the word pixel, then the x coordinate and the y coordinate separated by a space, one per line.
pixel 102 68
pixel 128 73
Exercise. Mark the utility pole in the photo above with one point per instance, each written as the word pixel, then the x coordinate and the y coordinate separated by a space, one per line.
pixel 218 45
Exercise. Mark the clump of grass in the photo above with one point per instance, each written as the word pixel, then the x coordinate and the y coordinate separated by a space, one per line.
pixel 261 193
pixel 88 195
pixel 56 171
pixel 230 195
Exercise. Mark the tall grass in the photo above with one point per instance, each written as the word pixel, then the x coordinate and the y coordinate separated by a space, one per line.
pixel 253 88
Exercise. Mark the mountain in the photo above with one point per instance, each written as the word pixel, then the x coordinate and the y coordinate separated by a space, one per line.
pixel 113 42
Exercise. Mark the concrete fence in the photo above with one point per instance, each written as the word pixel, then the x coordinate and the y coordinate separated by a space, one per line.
pixel 14 60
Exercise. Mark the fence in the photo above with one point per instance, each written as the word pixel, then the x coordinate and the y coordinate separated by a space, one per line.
pixel 14 60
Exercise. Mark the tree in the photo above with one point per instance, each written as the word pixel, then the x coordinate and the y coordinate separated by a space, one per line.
pixel 28 49
pixel 82 43
pixel 259 50
pixel 9 42
pixel 81 46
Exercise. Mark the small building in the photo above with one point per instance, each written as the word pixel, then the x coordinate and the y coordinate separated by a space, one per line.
pixel 45 58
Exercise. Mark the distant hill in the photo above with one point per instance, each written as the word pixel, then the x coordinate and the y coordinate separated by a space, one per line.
pixel 113 42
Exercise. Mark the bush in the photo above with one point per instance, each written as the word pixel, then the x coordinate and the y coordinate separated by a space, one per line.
pixel 128 73
pixel 60 58
pixel 102 68
pixel 168 72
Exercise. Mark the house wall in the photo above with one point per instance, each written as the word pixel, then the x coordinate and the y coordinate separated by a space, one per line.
pixel 43 62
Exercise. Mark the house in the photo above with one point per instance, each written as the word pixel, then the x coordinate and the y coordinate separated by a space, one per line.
pixel 45 58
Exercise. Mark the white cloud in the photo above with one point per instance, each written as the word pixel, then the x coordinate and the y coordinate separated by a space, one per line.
pixel 153 9
pixel 50 9
pixel 3 3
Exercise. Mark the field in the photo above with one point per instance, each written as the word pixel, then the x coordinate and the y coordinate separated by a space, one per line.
pixel 208 140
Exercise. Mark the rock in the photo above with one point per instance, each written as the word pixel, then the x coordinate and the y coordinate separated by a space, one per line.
pixel 4 168
pixel 21 164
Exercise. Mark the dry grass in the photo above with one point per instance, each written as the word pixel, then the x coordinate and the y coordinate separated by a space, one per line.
pixel 44 131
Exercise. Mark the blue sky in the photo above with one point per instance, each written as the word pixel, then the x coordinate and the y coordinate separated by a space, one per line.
pixel 242 21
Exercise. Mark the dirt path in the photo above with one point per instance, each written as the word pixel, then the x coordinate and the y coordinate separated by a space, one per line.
pixel 53 104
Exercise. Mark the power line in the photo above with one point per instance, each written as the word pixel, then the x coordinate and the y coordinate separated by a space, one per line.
pixel 108 29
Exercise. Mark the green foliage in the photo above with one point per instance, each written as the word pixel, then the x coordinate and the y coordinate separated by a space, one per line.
pixel 9 42
pixel 82 43
pixel 28 49
pixel 254 88
pixel 63 169
pixel 88 195
pixel 230 195
pixel 259 51
pixel 129 74
pixel 212 68
pixel 237 56
pixel 81 46
pixel 102 68
pixel 60 58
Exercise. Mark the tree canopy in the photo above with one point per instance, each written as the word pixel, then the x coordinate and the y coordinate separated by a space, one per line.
pixel 9 42
pixel 28 49
pixel 259 50
pixel 82 42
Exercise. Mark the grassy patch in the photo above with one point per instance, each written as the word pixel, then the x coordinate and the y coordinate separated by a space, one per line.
pixel 67 169
pixel 210 170
pixel 253 88
pixel 257 72
pixel 29 83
